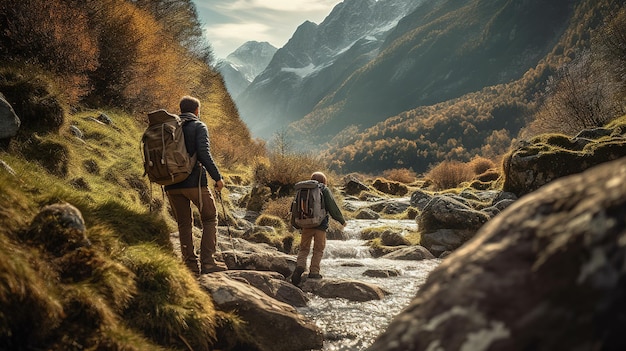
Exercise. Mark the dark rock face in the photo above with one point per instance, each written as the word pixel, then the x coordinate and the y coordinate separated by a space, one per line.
pixel 9 122
pixel 548 273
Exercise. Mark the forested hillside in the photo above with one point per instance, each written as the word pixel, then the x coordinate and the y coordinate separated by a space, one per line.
pixel 132 55
pixel 455 80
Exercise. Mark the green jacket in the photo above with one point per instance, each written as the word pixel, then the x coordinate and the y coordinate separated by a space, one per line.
pixel 332 209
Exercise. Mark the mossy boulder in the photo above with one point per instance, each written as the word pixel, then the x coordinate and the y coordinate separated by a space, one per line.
pixel 34 101
pixel 549 157
pixel 58 228
pixel 390 187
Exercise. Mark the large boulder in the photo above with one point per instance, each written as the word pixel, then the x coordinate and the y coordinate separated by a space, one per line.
pixel 351 290
pixel 275 325
pixel 550 157
pixel 446 223
pixel 268 260
pixel 410 253
pixel 238 253
pixel 353 186
pixel 272 284
pixel 9 122
pixel 548 273
pixel 445 212
pixel 420 198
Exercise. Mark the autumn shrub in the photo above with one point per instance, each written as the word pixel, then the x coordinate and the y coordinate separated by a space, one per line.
pixel 54 35
pixel 402 175
pixel 279 207
pixel 139 63
pixel 480 164
pixel 271 221
pixel 281 172
pixel 589 91
pixel 449 174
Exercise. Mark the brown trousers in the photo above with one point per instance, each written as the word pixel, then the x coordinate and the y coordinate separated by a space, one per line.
pixel 180 200
pixel 319 244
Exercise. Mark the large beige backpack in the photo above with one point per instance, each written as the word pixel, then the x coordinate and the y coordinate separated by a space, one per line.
pixel 308 209
pixel 166 160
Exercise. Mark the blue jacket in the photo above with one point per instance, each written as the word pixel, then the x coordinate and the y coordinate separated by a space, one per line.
pixel 197 142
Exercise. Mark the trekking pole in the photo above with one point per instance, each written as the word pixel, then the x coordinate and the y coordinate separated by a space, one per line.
pixel 232 242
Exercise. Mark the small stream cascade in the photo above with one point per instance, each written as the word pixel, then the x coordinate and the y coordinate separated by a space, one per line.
pixel 349 325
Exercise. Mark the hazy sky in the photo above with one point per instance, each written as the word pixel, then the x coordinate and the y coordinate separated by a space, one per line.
pixel 230 23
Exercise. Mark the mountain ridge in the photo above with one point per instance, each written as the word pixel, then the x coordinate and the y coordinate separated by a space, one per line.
pixel 347 38
pixel 241 66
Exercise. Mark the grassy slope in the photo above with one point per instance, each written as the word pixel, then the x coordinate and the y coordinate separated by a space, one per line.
pixel 137 294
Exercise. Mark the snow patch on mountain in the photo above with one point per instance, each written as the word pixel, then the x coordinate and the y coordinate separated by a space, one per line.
pixel 302 72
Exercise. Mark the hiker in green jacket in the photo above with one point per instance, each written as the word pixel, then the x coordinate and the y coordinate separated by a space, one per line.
pixel 317 235
pixel 195 190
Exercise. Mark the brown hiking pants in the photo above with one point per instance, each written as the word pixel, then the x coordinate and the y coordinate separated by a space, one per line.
pixel 180 200
pixel 319 244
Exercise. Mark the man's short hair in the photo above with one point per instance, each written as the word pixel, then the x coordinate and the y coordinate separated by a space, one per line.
pixel 319 176
pixel 189 104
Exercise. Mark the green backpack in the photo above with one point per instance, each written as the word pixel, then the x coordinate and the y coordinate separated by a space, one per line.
pixel 166 160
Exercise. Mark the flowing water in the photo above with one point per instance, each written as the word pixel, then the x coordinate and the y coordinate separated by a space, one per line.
pixel 351 325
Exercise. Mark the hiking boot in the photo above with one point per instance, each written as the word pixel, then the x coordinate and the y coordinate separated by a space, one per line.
pixel 297 275
pixel 212 268
pixel 315 276
pixel 192 265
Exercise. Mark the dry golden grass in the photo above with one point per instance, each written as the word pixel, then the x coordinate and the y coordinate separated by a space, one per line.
pixel 450 174
pixel 480 165
pixel 402 175
pixel 280 207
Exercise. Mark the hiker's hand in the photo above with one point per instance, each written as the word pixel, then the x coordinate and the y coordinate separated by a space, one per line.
pixel 219 185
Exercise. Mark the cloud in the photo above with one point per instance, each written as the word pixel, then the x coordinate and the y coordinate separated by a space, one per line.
pixel 281 5
pixel 239 31
pixel 230 23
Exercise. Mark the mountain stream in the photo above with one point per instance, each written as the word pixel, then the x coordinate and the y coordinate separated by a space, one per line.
pixel 351 325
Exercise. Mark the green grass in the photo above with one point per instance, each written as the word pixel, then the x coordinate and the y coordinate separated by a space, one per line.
pixel 127 291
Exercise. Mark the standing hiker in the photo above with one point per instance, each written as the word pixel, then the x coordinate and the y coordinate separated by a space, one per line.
pixel 312 229
pixel 194 189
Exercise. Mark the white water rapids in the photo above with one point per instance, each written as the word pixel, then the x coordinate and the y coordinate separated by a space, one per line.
pixel 351 325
